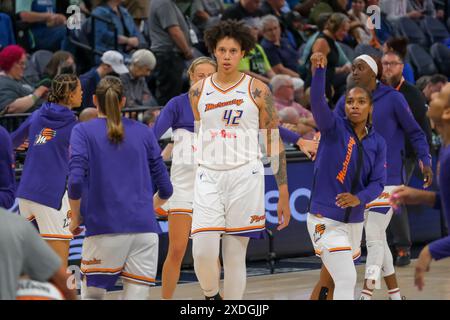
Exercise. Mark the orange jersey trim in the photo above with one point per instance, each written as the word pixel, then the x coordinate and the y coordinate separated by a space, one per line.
pixel 57 236
pixel 244 228
pixel 101 270
pixel 375 204
pixel 207 229
pixel 135 277
pixel 180 210
pixel 230 88
pixel 33 298
pixel 161 211
pixel 340 249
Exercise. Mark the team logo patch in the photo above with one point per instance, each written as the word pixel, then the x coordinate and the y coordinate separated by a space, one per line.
pixel 256 218
pixel 44 136
pixel 319 230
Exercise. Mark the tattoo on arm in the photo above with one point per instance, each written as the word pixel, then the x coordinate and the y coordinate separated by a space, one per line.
pixel 281 175
pixel 256 93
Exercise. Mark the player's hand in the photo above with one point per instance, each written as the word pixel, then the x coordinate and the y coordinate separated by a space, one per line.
pixel 422 266
pixel 75 221
pixel 345 200
pixel 318 60
pixel 283 209
pixel 157 201
pixel 308 147
pixel 427 175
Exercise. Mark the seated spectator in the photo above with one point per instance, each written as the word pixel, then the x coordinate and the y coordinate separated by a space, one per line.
pixel 303 7
pixel 425 8
pixel 255 63
pixel 336 28
pixel 243 9
pixel 127 33
pixel 61 62
pixel 205 13
pixel 363 34
pixel 24 252
pixel 48 29
pixel 422 82
pixel 134 84
pixel 435 84
pixel 297 27
pixel 111 62
pixel 138 9
pixel 399 45
pixel 282 56
pixel 396 9
pixel 290 111
pixel 16 96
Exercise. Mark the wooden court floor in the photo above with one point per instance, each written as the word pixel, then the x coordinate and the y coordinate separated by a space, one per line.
pixel 298 285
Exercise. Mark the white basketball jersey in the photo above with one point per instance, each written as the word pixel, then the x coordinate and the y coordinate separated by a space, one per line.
pixel 229 125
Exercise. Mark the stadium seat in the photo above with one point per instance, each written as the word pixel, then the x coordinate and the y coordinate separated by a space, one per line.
pixel 441 56
pixel 367 49
pixel 35 67
pixel 411 30
pixel 434 29
pixel 422 62
pixel 349 52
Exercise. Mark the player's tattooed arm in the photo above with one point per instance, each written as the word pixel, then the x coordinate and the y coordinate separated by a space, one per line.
pixel 268 120
pixel 194 96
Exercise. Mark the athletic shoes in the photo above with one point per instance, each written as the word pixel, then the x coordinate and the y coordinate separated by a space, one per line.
pixel 216 297
pixel 403 257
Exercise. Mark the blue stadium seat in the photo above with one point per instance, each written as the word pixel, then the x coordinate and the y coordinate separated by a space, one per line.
pixel 35 67
pixel 6 31
pixel 434 29
pixel 411 30
pixel 349 52
pixel 441 56
pixel 421 60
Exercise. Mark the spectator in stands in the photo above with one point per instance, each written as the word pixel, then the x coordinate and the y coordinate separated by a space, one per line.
pixel 392 75
pixel 135 87
pixel 396 9
pixel 425 7
pixel 61 62
pixel 23 252
pixel 48 29
pixel 243 9
pixel 364 34
pixel 128 36
pixel 7 180
pixel 282 56
pixel 205 13
pixel 272 7
pixel 138 9
pixel 303 7
pixel 290 111
pixel 399 45
pixel 88 114
pixel 15 95
pixel 171 44
pixel 111 62
pixel 336 29
pixel 435 84
pixel 256 63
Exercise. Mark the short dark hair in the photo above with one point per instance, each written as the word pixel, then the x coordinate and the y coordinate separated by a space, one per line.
pixel 395 53
pixel 398 44
pixel 229 29
pixel 437 78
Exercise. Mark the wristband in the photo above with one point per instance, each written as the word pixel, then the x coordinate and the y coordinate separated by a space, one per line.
pixel 34 97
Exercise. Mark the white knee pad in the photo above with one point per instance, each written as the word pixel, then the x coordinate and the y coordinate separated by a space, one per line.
pixel 374 262
pixel 234 249
pixel 205 251
pixel 135 291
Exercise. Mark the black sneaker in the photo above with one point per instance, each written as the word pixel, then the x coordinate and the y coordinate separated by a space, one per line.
pixel 403 257
pixel 216 297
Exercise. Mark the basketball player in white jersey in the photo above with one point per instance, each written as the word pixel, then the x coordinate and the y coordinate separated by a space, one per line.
pixel 230 108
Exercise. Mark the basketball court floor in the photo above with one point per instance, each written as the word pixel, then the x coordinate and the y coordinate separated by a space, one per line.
pixel 299 284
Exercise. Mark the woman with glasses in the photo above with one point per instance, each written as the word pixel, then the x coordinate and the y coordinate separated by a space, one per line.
pixel 16 95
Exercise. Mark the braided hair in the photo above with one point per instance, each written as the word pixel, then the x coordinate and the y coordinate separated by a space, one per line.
pixel 62 85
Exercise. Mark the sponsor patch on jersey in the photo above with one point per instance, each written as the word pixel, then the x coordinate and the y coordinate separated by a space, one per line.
pixel 212 106
pixel 319 230
pixel 256 218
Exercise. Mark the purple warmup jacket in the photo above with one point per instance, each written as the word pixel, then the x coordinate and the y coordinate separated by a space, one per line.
pixel 440 249
pixel 392 119
pixel 46 166
pixel 7 182
pixel 335 168
pixel 118 177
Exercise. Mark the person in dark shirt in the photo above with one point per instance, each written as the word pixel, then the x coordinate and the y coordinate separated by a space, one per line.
pixel 243 9
pixel 393 65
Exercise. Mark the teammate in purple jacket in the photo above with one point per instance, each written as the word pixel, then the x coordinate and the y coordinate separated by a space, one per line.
pixel 7 184
pixel 392 119
pixel 343 187
pixel 42 190
pixel 117 158
pixel 439 112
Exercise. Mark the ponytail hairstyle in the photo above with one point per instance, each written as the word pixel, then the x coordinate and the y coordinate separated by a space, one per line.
pixel 61 87
pixel 109 94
